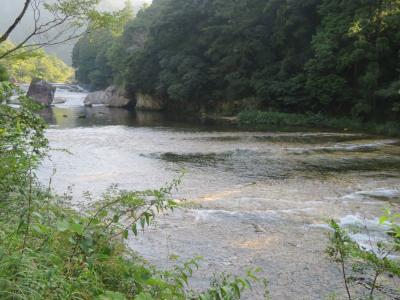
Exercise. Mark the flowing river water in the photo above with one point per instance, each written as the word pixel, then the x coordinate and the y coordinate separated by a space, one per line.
pixel 250 198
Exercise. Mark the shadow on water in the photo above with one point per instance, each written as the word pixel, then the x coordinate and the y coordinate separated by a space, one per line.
pixel 356 164
pixel 311 138
pixel 84 116
pixel 265 165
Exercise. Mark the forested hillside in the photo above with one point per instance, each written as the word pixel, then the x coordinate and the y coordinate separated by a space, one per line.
pixel 321 56
pixel 23 67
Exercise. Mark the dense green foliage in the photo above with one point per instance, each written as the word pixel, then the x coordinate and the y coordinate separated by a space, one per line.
pixel 23 67
pixel 50 251
pixel 22 142
pixel 321 56
pixel 90 58
pixel 93 53
pixel 3 74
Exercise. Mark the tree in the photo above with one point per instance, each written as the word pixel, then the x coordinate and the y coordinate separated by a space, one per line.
pixel 356 55
pixel 319 56
pixel 95 53
pixel 22 68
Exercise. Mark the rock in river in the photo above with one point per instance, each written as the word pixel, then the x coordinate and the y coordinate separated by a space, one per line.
pixel 117 97
pixel 59 100
pixel 112 97
pixel 95 98
pixel 41 91
pixel 147 102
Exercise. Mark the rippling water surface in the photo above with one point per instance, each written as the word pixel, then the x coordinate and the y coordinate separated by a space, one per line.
pixel 251 198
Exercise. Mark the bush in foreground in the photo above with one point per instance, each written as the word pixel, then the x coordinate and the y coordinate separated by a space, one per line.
pixel 377 268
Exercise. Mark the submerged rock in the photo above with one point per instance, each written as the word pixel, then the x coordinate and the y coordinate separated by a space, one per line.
pixel 147 102
pixel 59 100
pixel 41 91
pixel 111 97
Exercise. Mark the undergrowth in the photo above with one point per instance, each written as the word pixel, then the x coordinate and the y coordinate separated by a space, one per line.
pixel 281 120
pixel 368 272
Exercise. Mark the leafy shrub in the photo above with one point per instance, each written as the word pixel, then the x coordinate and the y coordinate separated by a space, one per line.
pixel 22 141
pixel 368 265
pixel 3 73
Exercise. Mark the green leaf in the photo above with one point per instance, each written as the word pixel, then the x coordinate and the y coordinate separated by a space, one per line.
pixel 103 213
pixel 37 215
pixel 76 227
pixel 383 219
pixel 109 295
pixel 184 277
pixel 144 296
pixel 142 222
pixel 116 218
pixel 39 228
pixel 134 229
pixel 62 225
pixel 156 282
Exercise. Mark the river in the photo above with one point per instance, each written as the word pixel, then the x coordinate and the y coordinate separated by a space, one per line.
pixel 250 198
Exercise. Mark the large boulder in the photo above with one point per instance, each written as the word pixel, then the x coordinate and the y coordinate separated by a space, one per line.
pixel 99 97
pixel 117 97
pixel 147 102
pixel 41 91
pixel 111 97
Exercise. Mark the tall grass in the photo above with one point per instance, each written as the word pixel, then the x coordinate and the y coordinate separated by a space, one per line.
pixel 280 120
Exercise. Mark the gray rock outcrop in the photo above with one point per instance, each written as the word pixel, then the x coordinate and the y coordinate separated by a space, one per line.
pixel 111 97
pixel 117 97
pixel 95 98
pixel 41 91
pixel 147 102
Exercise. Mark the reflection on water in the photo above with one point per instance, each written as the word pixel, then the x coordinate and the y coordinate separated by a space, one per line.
pixel 73 113
pixel 81 116
pixel 251 198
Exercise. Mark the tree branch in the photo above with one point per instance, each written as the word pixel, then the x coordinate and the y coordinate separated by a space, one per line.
pixel 16 22
pixel 73 19
pixel 38 30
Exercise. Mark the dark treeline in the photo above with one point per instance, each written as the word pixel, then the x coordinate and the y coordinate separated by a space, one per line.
pixel 322 56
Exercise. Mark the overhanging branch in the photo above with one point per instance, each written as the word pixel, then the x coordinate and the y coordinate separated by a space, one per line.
pixel 16 22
